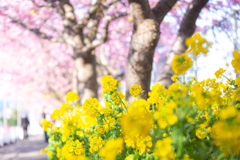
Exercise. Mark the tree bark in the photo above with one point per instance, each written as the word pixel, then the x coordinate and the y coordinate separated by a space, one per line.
pixel 85 76
pixel 146 22
pixel 187 28
pixel 84 44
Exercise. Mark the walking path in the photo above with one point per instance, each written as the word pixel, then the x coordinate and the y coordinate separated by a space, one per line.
pixel 28 149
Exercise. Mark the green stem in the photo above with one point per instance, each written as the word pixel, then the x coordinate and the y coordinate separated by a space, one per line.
pixel 184 78
pixel 227 78
pixel 121 100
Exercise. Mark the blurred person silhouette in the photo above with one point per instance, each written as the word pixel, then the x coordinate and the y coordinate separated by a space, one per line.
pixel 25 124
pixel 44 116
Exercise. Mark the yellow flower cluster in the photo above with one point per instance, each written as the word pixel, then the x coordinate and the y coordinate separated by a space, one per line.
pixel 219 73
pixel 72 149
pixel 111 149
pixel 96 143
pixel 138 120
pixel 200 134
pixel 101 129
pixel 46 124
pixel 181 63
pixel 170 124
pixel 136 124
pixel 136 90
pixel 197 44
pixel 91 106
pixel 109 84
pixel 165 116
pixel 72 96
pixel 117 96
pixel 236 61
pixel 174 78
pixel 157 96
pixel 226 132
pixel 163 149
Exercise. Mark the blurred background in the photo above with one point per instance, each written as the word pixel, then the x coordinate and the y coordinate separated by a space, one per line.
pixel 51 47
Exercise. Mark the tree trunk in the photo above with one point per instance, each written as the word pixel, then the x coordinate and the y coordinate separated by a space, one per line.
pixel 186 30
pixel 140 56
pixel 85 76
pixel 144 40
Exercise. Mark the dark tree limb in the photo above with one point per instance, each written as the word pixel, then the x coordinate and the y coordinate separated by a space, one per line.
pixel 162 8
pixel 102 37
pixel 187 28
pixel 146 33
pixel 36 31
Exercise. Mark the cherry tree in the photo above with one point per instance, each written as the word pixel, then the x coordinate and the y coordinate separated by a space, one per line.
pixel 181 18
pixel 81 25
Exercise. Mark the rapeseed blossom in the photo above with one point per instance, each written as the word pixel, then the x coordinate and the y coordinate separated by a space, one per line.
pixel 219 73
pixel 194 120
pixel 72 96
pixel 116 97
pixel 181 63
pixel 168 125
pixel 226 131
pixel 111 149
pixel 174 78
pixel 138 120
pixel 109 84
pixel 197 44
pixel 136 90
pixel 46 124
pixel 163 149
pixel 96 143
pixel 236 61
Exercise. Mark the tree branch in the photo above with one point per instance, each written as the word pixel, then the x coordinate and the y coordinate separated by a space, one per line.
pixel 36 31
pixel 103 63
pixel 140 10
pixel 94 7
pixel 102 37
pixel 187 28
pixel 162 8
pixel 39 6
pixel 219 23
pixel 49 3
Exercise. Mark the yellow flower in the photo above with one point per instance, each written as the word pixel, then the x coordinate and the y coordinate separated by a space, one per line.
pixel 197 44
pixel 237 81
pixel 163 149
pixel 236 61
pixel 95 143
pixel 175 78
pixel 111 149
pixel 129 157
pixel 72 96
pixel 209 129
pixel 228 112
pixel 101 129
pixel 138 120
pixel 219 73
pixel 109 84
pixel 117 97
pixel 164 135
pixel 186 157
pixel 181 63
pixel 226 131
pixel 200 134
pixel 130 19
pixel 56 114
pixel 50 153
pixel 135 90
pixel 46 124
pixel 172 119
pixel 42 151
